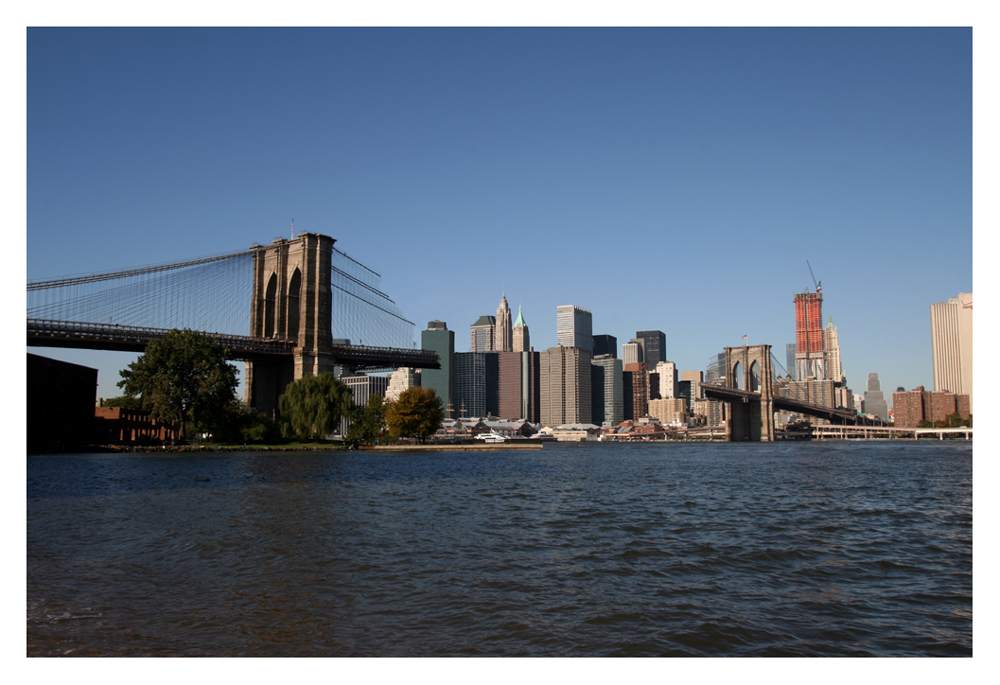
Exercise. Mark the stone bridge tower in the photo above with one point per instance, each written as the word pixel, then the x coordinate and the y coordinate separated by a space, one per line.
pixel 291 300
pixel 752 419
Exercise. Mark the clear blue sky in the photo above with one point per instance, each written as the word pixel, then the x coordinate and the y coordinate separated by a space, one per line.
pixel 672 179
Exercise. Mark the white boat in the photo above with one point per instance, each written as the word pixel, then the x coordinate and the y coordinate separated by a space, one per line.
pixel 492 436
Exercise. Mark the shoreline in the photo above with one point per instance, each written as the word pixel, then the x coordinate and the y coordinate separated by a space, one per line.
pixel 206 449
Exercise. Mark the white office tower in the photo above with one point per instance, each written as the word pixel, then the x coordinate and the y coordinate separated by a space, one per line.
pixel 631 353
pixel 669 383
pixel 574 327
pixel 951 345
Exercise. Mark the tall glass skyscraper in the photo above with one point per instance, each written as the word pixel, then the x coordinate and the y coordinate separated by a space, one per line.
pixel 438 338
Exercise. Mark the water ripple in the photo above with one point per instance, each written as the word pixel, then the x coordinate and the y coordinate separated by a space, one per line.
pixel 627 550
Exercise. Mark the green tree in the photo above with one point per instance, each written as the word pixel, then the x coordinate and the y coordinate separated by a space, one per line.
pixel 368 422
pixel 124 402
pixel 416 413
pixel 182 378
pixel 243 424
pixel 312 406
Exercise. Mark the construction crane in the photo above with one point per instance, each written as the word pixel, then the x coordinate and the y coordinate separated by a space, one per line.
pixel 819 285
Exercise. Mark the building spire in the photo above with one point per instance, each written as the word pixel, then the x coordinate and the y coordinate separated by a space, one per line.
pixel 520 318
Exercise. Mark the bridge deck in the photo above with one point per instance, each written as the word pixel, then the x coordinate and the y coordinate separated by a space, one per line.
pixel 725 394
pixel 42 333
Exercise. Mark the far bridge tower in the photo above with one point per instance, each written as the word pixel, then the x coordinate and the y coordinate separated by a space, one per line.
pixel 748 368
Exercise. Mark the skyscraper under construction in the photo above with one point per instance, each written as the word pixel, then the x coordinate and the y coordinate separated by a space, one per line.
pixel 810 358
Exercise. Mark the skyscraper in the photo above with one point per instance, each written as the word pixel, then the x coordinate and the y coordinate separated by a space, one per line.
pixel 565 386
pixel 715 372
pixel 693 377
pixel 832 348
pixel 635 381
pixel 875 403
pixel 482 333
pixel 654 348
pixel 607 407
pixel 530 386
pixel 574 327
pixel 438 338
pixel 809 356
pixel 477 384
pixel 605 344
pixel 951 345
pixel 362 387
pixel 521 342
pixel 503 335
pixel 790 360
pixel 668 382
pixel 631 352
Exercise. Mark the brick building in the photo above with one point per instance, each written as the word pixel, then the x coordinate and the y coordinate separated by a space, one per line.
pixel 118 424
pixel 635 383
pixel 910 408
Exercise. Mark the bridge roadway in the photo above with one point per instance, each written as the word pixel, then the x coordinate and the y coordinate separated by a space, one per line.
pixel 92 336
pixel 840 416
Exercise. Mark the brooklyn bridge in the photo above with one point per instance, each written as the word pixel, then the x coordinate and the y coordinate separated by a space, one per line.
pixel 299 307
pixel 752 392
pixel 295 307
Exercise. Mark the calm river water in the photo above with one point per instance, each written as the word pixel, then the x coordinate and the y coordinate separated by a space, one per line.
pixel 793 549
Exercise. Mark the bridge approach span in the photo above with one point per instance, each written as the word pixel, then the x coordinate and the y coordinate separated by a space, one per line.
pixel 839 416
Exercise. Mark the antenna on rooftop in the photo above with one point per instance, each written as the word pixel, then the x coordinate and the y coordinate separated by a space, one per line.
pixel 293 228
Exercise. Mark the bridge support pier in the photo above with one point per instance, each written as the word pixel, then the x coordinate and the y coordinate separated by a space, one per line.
pixel 291 300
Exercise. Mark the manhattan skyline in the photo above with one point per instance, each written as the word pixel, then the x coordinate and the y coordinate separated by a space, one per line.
pixel 664 179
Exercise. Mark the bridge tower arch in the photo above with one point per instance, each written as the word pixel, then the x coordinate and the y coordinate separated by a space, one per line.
pixel 291 300
pixel 750 420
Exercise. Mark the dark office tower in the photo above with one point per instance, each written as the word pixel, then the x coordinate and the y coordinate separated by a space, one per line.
pixel 596 393
pixel 654 347
pixel 439 339
pixel 477 376
pixel 693 378
pixel 605 344
pixel 628 413
pixel 790 360
pixel 686 393
pixel 530 386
